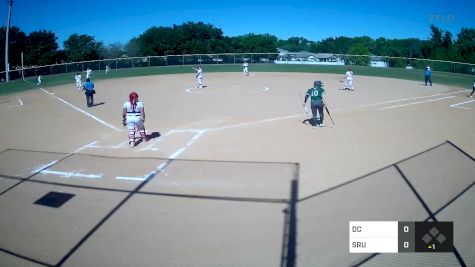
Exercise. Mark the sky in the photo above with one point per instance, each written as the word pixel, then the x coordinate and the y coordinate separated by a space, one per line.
pixel 119 21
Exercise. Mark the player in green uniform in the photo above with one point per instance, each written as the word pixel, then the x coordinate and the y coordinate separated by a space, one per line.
pixel 317 102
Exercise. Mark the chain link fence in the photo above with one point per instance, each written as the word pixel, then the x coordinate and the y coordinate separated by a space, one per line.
pixel 235 58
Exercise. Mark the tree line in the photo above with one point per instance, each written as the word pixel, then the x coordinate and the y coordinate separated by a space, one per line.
pixel 41 47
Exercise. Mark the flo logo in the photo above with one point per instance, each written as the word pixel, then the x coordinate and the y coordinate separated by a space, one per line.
pixel 441 18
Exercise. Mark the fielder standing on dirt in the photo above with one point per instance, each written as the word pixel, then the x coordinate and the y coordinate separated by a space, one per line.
pixel 317 103
pixel 78 81
pixel 88 73
pixel 199 76
pixel 245 69
pixel 428 75
pixel 349 80
pixel 133 116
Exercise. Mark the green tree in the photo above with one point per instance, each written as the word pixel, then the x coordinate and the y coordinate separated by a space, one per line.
pixel 41 48
pixel 433 48
pixel 82 47
pixel 255 43
pixel 17 40
pixel 466 45
pixel 359 49
pixel 114 50
pixel 295 44
pixel 187 38
pixel 339 45
pixel 132 48
pixel 158 41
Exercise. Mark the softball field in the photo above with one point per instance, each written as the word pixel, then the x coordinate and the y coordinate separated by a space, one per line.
pixel 231 175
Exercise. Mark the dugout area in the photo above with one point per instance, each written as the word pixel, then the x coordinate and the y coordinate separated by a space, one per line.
pixel 231 175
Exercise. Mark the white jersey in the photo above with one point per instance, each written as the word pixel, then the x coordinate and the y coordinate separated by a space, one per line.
pixel 88 73
pixel 39 79
pixel 78 78
pixel 133 112
pixel 199 73
pixel 349 75
pixel 245 64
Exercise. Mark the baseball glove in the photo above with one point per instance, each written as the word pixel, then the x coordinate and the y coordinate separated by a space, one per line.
pixel 124 122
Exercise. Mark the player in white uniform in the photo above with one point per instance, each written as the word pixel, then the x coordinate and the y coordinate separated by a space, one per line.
pixel 199 76
pixel 88 73
pixel 244 68
pixel 349 80
pixel 78 81
pixel 39 81
pixel 133 115
pixel 107 69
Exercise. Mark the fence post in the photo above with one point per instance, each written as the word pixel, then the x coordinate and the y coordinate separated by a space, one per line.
pixel 183 59
pixel 51 69
pixel 166 61
pixel 66 67
pixel 234 58
pixel 148 58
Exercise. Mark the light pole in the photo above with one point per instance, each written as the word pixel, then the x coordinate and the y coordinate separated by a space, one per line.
pixel 7 30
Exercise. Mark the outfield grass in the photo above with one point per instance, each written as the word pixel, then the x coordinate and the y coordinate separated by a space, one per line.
pixel 452 79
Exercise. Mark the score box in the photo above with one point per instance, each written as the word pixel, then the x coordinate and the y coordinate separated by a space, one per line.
pixel 394 236
pixel 371 236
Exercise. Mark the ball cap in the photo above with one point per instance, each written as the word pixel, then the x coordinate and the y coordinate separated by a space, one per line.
pixel 317 83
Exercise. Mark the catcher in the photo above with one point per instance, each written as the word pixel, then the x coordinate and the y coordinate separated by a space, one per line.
pixel 133 116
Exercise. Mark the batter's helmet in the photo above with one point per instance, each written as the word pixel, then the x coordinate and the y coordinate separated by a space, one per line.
pixel 133 96
pixel 317 83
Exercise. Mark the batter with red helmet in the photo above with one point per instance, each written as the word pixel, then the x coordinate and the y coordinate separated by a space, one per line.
pixel 133 116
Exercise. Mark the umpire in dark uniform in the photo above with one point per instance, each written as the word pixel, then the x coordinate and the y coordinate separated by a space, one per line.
pixel 317 103
pixel 89 92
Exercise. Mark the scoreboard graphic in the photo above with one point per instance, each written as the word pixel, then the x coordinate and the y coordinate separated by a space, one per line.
pixel 395 236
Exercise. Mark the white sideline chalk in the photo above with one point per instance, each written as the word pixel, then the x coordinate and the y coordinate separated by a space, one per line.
pixel 42 167
pixel 72 174
pixel 418 102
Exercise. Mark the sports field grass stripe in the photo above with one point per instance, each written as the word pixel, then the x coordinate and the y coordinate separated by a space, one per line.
pixel 445 78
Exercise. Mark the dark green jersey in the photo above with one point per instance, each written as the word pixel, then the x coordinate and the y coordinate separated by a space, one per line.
pixel 316 93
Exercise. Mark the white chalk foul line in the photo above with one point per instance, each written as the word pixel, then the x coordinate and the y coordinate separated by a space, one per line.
pixel 151 145
pixel 178 152
pixel 46 91
pixel 82 111
pixel 88 114
pixel 44 166
pixel 121 145
pixel 72 174
pixel 190 90
pixel 408 99
pixel 264 89
pixel 418 102
pixel 462 103
pixel 254 122
pixel 145 177
pixel 19 105
pixel 85 146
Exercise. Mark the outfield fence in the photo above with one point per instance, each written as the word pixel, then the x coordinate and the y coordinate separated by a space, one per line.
pixel 238 58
